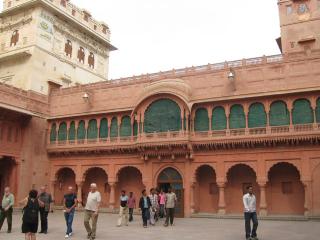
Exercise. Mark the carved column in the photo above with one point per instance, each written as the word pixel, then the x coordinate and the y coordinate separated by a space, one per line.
pixel 307 198
pixel 314 108
pixel 263 200
pixel 119 125
pixel 98 127
pixel 192 205
pixel 187 123
pixel 246 114
pixel 209 109
pixel 221 204
pixel 267 109
pixel 227 110
pixel 79 193
pixel 112 199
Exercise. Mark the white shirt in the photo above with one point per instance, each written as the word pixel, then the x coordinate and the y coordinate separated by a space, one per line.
pixel 93 200
pixel 249 203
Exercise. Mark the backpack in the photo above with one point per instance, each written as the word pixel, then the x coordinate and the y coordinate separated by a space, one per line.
pixel 31 211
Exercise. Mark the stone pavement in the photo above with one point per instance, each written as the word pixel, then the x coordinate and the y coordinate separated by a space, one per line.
pixel 188 228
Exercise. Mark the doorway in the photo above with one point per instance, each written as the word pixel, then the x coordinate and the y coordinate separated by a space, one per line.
pixel 170 177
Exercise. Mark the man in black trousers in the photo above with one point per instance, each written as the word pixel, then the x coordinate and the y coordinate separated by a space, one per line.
pixel 144 205
pixel 44 211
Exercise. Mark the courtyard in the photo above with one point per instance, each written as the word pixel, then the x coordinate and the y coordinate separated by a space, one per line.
pixel 186 228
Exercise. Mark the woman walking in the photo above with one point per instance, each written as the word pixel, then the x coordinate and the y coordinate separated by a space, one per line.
pixel 30 217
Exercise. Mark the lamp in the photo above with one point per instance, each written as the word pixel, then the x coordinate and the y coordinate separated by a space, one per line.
pixel 85 97
pixel 231 75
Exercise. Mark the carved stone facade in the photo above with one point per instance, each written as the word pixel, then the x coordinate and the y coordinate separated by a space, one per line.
pixel 34 38
pixel 208 131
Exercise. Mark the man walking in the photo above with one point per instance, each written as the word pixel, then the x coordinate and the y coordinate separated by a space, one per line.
pixel 131 205
pixel 45 209
pixel 144 205
pixel 249 202
pixel 124 211
pixel 154 206
pixel 92 211
pixel 69 203
pixel 7 209
pixel 171 200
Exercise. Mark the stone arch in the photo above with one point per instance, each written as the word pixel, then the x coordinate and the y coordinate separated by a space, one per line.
pixel 257 116
pixel 160 170
pixel 206 189
pixel 229 166
pixel 65 177
pixel 239 176
pixel 302 112
pixel 129 178
pixel 279 114
pixel 293 163
pixel 201 120
pixel 285 191
pixel 99 176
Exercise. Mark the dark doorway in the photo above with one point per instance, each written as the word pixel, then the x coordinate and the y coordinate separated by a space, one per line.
pixel 170 177
pixel 6 168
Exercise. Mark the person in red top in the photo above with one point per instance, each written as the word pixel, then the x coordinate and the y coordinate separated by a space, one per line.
pixel 131 205
pixel 162 202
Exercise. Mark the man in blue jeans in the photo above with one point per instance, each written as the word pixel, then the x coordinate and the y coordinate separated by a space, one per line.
pixel 69 203
pixel 250 214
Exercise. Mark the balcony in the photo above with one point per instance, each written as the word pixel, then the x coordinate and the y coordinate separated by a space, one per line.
pixel 185 137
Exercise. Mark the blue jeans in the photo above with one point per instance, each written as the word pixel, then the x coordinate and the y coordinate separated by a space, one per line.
pixel 69 219
pixel 248 216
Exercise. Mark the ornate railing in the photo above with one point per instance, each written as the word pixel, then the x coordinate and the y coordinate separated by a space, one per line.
pixel 185 136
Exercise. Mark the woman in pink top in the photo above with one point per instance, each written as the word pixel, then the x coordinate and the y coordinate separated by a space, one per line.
pixel 131 205
pixel 162 202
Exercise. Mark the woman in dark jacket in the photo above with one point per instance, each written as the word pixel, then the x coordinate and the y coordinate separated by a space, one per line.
pixel 30 217
pixel 144 205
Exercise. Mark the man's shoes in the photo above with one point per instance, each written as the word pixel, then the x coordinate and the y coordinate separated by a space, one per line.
pixel 66 236
pixel 45 232
pixel 166 225
pixel 89 236
pixel 70 234
pixel 254 238
pixel 9 231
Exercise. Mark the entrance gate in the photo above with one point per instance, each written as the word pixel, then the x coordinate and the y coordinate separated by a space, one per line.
pixel 170 177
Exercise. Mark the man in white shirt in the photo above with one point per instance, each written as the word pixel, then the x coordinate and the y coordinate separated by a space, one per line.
pixel 249 203
pixel 92 211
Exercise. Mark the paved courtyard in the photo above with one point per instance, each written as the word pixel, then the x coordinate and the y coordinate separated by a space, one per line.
pixel 199 229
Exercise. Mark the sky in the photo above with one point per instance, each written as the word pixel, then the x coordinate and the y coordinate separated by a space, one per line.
pixel 159 35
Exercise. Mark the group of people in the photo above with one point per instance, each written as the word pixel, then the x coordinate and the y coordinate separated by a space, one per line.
pixel 153 206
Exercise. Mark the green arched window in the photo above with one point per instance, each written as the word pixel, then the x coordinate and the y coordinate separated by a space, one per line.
pixel 257 116
pixel 72 131
pixel 62 132
pixel 279 114
pixel 81 132
pixel 125 127
pixel 103 128
pixel 161 116
pixel 237 117
pixel 92 129
pixel 114 127
pixel 318 110
pixel 302 112
pixel 53 133
pixel 219 119
pixel 201 120
pixel 135 128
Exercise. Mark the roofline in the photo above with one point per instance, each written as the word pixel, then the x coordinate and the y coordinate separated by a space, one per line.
pixel 55 9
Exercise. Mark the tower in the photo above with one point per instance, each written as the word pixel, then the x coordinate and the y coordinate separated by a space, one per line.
pixel 51 43
pixel 299 21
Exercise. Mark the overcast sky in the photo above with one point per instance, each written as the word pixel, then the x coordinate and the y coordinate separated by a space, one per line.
pixel 155 35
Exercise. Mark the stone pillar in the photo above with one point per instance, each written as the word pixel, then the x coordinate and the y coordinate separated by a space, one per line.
pixel 221 204
pixel 79 193
pixel 187 123
pixel 263 200
pixel 209 109
pixel 192 205
pixel 307 186
pixel 112 199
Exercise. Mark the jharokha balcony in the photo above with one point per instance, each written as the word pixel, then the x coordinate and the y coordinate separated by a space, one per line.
pixel 194 140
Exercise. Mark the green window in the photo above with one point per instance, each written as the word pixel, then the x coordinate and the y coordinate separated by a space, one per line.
pixel 72 131
pixel 237 117
pixel 92 129
pixel 201 121
pixel 125 127
pixel 62 132
pixel 302 112
pixel 53 133
pixel 114 127
pixel 257 116
pixel 135 128
pixel 219 119
pixel 318 110
pixel 161 116
pixel 81 132
pixel 279 114
pixel 103 128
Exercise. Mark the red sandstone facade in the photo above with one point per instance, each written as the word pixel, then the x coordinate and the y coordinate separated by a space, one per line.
pixel 208 131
